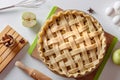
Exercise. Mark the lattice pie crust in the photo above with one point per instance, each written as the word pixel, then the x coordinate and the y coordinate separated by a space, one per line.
pixel 72 43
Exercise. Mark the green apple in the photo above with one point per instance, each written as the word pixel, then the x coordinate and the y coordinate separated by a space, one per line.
pixel 116 57
pixel 29 19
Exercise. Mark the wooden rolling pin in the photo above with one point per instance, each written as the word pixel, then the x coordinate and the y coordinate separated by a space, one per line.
pixel 32 72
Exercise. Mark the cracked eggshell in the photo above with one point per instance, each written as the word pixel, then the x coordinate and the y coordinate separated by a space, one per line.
pixel 109 11
pixel 116 19
pixel 117 7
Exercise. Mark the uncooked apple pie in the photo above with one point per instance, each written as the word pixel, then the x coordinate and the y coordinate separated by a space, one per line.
pixel 72 43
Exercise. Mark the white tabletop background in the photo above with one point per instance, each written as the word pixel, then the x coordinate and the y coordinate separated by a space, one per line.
pixel 12 17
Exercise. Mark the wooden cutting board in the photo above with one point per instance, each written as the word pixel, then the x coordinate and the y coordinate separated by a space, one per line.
pixel 111 41
pixel 9 53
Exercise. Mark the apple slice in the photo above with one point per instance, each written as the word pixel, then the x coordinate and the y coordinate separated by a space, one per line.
pixel 116 57
pixel 29 19
pixel 28 15
pixel 30 23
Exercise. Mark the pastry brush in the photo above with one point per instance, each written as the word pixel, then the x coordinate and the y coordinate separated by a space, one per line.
pixel 32 72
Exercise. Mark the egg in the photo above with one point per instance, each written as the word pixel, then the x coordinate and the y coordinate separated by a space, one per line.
pixel 116 19
pixel 116 6
pixel 109 11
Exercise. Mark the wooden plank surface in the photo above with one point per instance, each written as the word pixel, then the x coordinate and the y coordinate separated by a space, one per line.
pixel 8 53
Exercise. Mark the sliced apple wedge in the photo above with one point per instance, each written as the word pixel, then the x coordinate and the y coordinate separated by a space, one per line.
pixel 29 19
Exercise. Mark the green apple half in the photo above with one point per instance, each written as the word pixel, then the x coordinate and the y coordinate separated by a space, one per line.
pixel 29 19
pixel 116 57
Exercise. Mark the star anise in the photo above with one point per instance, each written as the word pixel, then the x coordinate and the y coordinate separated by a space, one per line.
pixel 90 10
